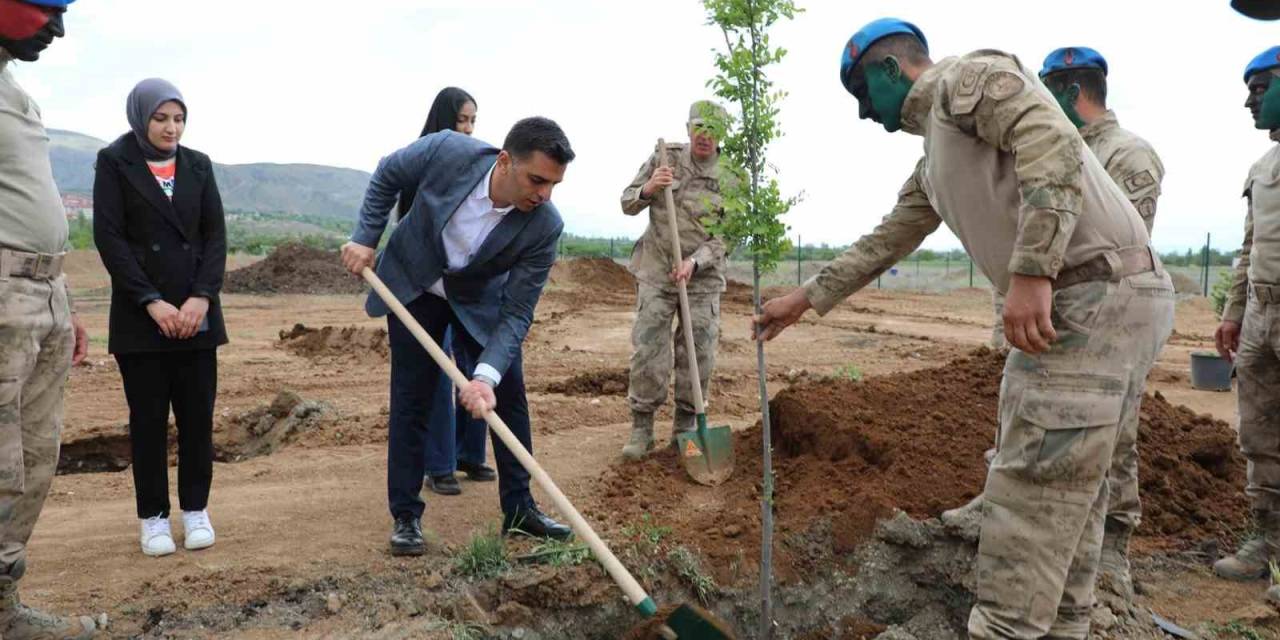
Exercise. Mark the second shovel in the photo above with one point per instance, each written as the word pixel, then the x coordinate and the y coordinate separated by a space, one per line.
pixel 707 452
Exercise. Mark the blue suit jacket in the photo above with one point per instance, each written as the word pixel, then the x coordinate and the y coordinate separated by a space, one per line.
pixel 493 296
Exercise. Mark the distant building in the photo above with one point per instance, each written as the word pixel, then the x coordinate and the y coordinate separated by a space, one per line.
pixel 76 204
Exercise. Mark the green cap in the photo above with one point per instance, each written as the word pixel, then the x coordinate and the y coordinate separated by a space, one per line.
pixel 701 107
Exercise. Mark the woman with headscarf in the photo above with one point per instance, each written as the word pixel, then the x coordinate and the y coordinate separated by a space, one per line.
pixel 455 440
pixel 159 228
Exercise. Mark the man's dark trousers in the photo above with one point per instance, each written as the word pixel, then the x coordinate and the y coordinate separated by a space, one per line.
pixel 414 379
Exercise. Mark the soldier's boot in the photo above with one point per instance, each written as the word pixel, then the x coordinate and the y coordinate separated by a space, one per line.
pixel 641 441
pixel 684 422
pixel 1253 559
pixel 20 622
pixel 1113 566
pixel 965 521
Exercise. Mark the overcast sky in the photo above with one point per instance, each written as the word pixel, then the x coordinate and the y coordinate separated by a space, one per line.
pixel 345 83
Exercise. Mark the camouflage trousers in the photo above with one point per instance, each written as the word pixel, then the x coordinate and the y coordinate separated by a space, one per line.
pixel 1124 505
pixel 36 342
pixel 651 342
pixel 1061 413
pixel 1258 369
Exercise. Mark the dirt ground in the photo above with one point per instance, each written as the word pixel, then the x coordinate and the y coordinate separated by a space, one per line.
pixel 302 522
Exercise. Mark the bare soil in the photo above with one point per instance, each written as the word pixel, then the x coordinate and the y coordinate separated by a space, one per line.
pixel 294 268
pixel 302 521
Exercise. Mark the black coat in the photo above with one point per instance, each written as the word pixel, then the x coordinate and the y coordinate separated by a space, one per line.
pixel 157 248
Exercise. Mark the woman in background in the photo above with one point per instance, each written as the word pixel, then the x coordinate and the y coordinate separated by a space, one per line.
pixel 455 440
pixel 159 228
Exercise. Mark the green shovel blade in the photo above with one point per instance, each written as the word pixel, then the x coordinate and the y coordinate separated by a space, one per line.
pixel 707 453
pixel 692 623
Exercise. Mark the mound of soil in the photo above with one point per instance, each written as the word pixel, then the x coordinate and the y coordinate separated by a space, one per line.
pixel 1191 475
pixel 265 430
pixel 257 432
pixel 361 344
pixel 740 293
pixel 601 275
pixel 294 268
pixel 605 382
pixel 852 453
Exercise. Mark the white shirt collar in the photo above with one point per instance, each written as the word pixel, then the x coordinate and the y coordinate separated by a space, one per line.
pixel 482 191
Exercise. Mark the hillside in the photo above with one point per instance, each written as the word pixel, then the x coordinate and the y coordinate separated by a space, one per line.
pixel 303 189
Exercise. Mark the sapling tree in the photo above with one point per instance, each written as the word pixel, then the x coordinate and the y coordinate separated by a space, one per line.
pixel 752 202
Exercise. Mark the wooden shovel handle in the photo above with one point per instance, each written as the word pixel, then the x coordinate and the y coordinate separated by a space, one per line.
pixel 685 321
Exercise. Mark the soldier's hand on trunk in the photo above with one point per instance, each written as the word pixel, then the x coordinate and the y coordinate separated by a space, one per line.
pixel 778 314
pixel 662 178
pixel 1027 306
pixel 1227 339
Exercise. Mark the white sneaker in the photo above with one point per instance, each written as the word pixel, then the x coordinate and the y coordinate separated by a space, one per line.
pixel 197 531
pixel 156 538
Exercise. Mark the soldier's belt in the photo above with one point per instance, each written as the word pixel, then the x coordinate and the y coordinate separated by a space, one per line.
pixel 37 266
pixel 1111 265
pixel 1265 293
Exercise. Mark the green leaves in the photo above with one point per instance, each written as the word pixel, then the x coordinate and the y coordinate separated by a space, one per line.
pixel 752 200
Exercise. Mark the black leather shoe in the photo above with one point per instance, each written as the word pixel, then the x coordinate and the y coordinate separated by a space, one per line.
pixel 478 472
pixel 529 521
pixel 406 538
pixel 445 485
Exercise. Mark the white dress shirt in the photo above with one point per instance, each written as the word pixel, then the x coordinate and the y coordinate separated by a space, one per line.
pixel 463 235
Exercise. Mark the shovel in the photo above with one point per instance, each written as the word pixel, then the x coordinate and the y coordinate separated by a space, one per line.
pixel 686 622
pixel 707 453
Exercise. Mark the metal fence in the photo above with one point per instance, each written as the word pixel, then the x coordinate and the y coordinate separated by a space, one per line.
pixel 1195 272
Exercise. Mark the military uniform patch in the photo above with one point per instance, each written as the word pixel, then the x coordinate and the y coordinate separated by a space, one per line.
pixel 1139 181
pixel 1002 85
pixel 969 80
pixel 1147 207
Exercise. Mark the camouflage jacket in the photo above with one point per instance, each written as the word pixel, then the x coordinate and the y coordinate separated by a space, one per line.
pixel 1005 169
pixel 1260 254
pixel 696 193
pixel 1130 161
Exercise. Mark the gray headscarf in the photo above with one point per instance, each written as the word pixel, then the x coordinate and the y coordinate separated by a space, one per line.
pixel 142 103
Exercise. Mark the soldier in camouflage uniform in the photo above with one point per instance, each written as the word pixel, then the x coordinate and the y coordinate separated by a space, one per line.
pixel 40 336
pixel 692 172
pixel 1250 330
pixel 1077 78
pixel 1009 174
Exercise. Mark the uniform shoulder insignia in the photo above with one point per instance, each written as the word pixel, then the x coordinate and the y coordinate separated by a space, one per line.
pixel 969 77
pixel 1002 85
pixel 1147 207
pixel 1139 181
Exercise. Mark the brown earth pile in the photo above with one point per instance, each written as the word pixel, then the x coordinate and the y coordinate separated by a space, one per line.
pixel 851 453
pixel 265 430
pixel 359 344
pixel 294 268
pixel 601 274
pixel 1192 476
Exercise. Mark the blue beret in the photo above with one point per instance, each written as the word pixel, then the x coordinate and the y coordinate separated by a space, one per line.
pixel 867 36
pixel 1268 59
pixel 56 4
pixel 1260 9
pixel 1073 58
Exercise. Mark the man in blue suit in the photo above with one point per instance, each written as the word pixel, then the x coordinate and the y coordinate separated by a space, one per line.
pixel 473 253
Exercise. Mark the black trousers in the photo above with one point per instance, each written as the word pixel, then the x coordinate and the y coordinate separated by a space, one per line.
pixel 153 382
pixel 415 377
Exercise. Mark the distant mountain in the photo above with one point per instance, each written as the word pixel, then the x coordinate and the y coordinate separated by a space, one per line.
pixel 263 187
